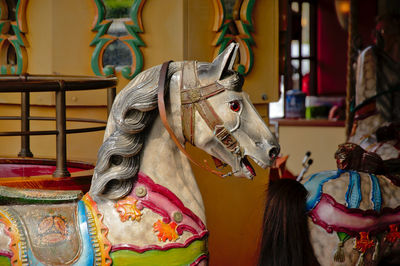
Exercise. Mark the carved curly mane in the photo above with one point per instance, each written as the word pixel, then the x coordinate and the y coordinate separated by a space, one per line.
pixel 133 111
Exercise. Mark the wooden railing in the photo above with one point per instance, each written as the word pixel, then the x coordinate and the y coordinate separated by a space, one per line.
pixel 59 84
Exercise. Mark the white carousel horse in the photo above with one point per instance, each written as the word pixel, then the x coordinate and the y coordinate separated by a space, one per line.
pixel 353 212
pixel 144 206
pixel 377 103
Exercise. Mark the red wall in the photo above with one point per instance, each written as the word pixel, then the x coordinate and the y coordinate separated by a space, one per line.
pixel 332 45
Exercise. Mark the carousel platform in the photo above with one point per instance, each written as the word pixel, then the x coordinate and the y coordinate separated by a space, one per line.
pixel 38 174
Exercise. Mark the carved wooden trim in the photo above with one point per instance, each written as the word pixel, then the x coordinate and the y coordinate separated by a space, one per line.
pixel 242 22
pixel 12 36
pixel 134 26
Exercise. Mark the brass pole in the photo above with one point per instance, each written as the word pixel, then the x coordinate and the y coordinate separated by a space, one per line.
pixel 61 137
pixel 25 112
pixel 351 59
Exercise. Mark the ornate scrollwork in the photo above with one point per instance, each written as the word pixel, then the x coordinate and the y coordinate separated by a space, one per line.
pixel 233 22
pixel 104 40
pixel 13 56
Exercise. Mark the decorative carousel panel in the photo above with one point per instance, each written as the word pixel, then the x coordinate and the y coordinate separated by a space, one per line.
pixel 254 25
pixel 13 59
pixel 233 22
pixel 117 42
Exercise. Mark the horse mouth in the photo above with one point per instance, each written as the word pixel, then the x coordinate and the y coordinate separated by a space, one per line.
pixel 247 168
pixel 260 163
pixel 241 167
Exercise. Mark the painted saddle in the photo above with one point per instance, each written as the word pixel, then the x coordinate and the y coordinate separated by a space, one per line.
pixel 65 228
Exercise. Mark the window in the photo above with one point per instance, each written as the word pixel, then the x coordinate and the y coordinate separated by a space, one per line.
pixel 297 50
pixel 300 50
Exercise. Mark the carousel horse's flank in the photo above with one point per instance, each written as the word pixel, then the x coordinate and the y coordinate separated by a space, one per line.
pixel 376 125
pixel 353 212
pixel 144 206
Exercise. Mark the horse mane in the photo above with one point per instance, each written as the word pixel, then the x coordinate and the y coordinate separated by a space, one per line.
pixel 133 111
pixel 286 237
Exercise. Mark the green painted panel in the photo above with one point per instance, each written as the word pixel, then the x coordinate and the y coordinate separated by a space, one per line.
pixel 4 261
pixel 171 257
pixel 101 40
pixel 226 35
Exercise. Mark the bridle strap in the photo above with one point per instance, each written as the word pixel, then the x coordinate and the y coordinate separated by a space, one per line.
pixel 217 126
pixel 195 95
pixel 193 101
pixel 161 108
pixel 194 98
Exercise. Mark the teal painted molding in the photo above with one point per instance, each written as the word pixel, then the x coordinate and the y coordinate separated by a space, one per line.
pixel 244 38
pixel 102 40
pixel 15 38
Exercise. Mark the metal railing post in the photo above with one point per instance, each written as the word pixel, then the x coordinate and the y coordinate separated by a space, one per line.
pixel 61 137
pixel 25 127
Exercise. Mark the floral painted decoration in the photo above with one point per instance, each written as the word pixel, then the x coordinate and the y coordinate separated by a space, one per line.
pixel 364 243
pixel 127 209
pixel 393 234
pixel 165 231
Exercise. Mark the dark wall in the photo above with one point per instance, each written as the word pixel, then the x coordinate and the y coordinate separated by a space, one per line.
pixel 332 44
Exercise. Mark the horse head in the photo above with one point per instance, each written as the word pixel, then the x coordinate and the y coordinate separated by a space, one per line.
pixel 219 118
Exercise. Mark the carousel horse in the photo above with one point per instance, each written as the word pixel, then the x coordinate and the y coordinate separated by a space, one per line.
pixel 144 206
pixel 349 216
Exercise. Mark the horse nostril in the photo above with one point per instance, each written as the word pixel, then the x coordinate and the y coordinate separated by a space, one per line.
pixel 273 152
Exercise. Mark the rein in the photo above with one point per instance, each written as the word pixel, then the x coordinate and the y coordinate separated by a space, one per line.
pixel 195 99
pixel 373 98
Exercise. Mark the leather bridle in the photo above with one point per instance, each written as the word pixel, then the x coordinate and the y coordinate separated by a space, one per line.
pixel 194 98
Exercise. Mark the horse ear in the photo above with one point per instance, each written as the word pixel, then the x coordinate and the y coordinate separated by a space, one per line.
pixel 224 61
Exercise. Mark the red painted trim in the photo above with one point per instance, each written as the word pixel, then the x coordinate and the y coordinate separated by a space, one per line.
pixel 172 198
pixel 164 202
pixel 155 208
pixel 138 249
pixel 199 259
pixel 333 216
pixel 183 227
pixel 6 253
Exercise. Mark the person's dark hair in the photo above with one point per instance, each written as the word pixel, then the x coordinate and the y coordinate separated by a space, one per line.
pixel 285 239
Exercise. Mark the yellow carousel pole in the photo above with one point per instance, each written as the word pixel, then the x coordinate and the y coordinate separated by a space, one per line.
pixel 352 46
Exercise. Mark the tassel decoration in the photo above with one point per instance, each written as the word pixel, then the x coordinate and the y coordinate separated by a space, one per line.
pixel 339 254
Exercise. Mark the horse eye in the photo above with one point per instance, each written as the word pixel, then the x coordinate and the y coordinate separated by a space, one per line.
pixel 235 105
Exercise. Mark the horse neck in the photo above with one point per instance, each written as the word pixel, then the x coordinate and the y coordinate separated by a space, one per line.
pixel 167 166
